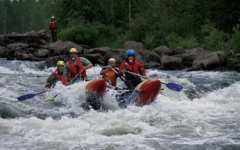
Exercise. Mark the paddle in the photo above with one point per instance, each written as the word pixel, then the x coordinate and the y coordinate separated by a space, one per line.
pixel 50 99
pixel 119 76
pixel 171 86
pixel 28 96
pixel 71 82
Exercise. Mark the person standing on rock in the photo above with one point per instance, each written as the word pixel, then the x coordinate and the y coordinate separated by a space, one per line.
pixel 53 29
pixel 57 75
pixel 75 68
pixel 134 66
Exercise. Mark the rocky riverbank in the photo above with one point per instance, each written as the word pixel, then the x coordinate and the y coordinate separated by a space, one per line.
pixel 36 46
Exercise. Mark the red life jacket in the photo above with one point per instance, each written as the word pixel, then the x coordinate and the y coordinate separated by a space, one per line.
pixel 60 78
pixel 52 25
pixel 74 72
pixel 136 68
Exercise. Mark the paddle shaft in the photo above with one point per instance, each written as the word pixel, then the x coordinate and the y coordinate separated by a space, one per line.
pixel 136 74
pixel 117 73
pixel 172 86
pixel 41 92
pixel 71 82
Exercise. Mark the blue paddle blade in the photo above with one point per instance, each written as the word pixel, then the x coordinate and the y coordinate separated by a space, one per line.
pixel 174 87
pixel 25 97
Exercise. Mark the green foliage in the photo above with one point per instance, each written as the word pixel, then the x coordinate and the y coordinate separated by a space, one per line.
pixel 175 41
pixel 213 38
pixel 94 34
pixel 149 42
pixel 235 38
pixel 113 22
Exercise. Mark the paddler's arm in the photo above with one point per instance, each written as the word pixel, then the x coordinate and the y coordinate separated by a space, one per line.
pixel 86 63
pixel 121 70
pixel 50 80
pixel 143 70
pixel 104 70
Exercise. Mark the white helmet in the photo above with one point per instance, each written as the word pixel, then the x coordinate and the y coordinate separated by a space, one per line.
pixel 53 17
pixel 112 59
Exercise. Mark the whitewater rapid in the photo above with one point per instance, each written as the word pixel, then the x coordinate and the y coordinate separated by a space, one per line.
pixel 204 115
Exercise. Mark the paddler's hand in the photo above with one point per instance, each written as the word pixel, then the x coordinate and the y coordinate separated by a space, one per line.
pixel 145 77
pixel 47 88
pixel 85 68
pixel 123 71
pixel 108 67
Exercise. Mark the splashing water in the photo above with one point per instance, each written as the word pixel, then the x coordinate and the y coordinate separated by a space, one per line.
pixel 204 115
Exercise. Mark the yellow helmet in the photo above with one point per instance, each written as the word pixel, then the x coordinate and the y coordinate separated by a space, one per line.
pixel 73 50
pixel 60 63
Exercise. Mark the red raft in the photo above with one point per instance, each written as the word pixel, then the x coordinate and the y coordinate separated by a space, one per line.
pixel 148 91
pixel 96 88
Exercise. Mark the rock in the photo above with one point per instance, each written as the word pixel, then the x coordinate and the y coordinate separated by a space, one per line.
pixel 162 50
pixel 101 50
pixel 36 46
pixel 137 46
pixel 62 48
pixel 171 63
pixel 209 61
pixel 42 53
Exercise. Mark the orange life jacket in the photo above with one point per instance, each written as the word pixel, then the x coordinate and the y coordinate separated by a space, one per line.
pixel 74 71
pixel 110 77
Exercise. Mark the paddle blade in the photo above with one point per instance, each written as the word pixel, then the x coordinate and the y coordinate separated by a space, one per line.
pixel 48 100
pixel 174 87
pixel 25 97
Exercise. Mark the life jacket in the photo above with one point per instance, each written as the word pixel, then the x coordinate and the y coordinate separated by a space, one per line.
pixel 59 77
pixel 75 70
pixel 110 77
pixel 52 25
pixel 136 68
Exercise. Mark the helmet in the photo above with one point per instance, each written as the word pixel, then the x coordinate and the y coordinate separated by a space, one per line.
pixel 52 17
pixel 112 59
pixel 60 63
pixel 73 50
pixel 130 52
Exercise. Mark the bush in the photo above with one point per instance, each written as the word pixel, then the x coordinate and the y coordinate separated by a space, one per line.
pixel 175 41
pixel 235 37
pixel 94 34
pixel 213 39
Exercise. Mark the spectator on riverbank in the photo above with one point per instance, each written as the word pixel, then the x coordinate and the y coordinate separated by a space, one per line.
pixel 53 29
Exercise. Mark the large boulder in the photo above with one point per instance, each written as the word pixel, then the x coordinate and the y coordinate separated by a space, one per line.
pixel 171 63
pixel 52 61
pixel 42 53
pixel 162 50
pixel 137 46
pixel 62 48
pixel 117 54
pixel 209 61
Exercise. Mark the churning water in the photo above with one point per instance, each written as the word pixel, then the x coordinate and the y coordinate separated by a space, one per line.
pixel 204 115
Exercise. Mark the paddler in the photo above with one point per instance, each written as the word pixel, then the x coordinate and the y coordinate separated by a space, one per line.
pixel 55 76
pixel 134 66
pixel 76 65
pixel 109 73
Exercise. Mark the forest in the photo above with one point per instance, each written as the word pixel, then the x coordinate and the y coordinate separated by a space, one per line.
pixel 97 23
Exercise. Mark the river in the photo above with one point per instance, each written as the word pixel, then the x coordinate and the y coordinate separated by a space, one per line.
pixel 204 115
